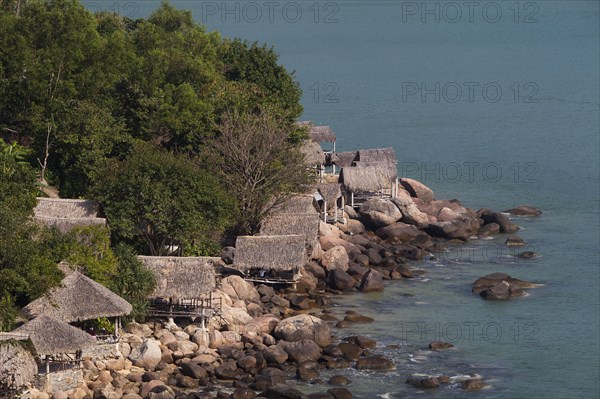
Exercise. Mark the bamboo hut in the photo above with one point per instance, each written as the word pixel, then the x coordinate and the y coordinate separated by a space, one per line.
pixel 296 204
pixel 346 158
pixel 305 224
pixel 65 214
pixel 270 259
pixel 363 182
pixel 184 286
pixel 55 341
pixel 331 201
pixel 314 157
pixel 78 299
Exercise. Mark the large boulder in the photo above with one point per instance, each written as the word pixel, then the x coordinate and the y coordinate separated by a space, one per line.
pixel 236 319
pixel 302 327
pixel 524 210
pixel 303 351
pixel 330 242
pixel 238 288
pixel 335 258
pixel 340 280
pixel 378 363
pixel 262 325
pixel 500 286
pixel 506 226
pixel 17 365
pixel 372 281
pixel 409 210
pixel 147 355
pixel 449 230
pixel 379 212
pixel 398 232
pixel 423 380
pixel 328 230
pixel 227 255
pixel 282 391
pixel 275 354
pixel 417 189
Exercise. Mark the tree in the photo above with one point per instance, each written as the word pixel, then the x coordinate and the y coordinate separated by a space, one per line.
pixel 157 200
pixel 255 157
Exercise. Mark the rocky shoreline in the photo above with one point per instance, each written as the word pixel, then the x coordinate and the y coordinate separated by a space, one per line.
pixel 266 336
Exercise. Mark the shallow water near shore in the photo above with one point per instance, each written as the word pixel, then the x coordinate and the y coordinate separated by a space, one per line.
pixel 538 144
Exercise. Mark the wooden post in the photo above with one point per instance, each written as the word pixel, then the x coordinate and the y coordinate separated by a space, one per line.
pixel 324 210
pixel 352 199
pixel 335 212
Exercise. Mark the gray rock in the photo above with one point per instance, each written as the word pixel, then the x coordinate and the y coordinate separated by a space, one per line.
pixel 340 280
pixel 379 212
pixel 303 327
pixel 371 282
pixel 417 189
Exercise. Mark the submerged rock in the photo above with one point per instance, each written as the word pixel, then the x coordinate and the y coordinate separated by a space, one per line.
pixel 514 241
pixel 524 210
pixel 378 363
pixel 423 380
pixel 500 286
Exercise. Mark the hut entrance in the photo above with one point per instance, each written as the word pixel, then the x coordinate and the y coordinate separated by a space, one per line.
pixel 201 308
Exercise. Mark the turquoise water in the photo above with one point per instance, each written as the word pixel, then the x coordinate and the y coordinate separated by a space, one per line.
pixel 523 129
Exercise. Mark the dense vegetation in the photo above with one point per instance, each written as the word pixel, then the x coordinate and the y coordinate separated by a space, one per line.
pixel 137 114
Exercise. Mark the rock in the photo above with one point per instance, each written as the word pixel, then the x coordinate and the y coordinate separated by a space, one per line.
pixel 302 351
pixel 398 232
pixel 281 391
pixel 316 270
pixel 506 226
pixel 243 393
pixel 161 392
pixel 472 384
pixel 306 374
pixel 352 227
pixel 131 396
pixel 340 393
pixel 320 395
pixel 186 382
pixel 340 280
pixel 498 292
pixel 405 271
pixel 449 230
pixel 527 255
pixel 147 355
pixel 354 317
pixel 262 325
pixel 410 212
pixel 417 189
pixel 362 341
pixel 17 365
pixel 328 230
pixel 514 241
pixel 185 347
pixel 350 351
pixel 165 337
pixel 374 257
pixel 227 255
pixel 235 318
pixel 303 327
pixel 339 380
pixel 139 330
pixel 371 282
pixel 300 302
pixel 408 251
pixel 193 370
pixel 379 212
pixel 60 395
pixel 357 272
pixel 423 381
pixel 269 377
pixel 247 363
pixel 350 212
pixel 448 215
pixel 275 354
pixel 489 229
pixel 147 387
pixel 524 210
pixel 330 242
pixel 238 288
pixel 439 345
pixel 335 258
pixel 378 363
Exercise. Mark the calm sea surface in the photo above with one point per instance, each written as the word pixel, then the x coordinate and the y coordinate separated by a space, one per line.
pixel 493 103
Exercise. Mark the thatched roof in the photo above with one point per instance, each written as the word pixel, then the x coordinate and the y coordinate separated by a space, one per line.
pixel 330 192
pixel 305 224
pixel 51 337
pixel 281 253
pixel 64 225
pixel 78 298
pixel 346 158
pixel 66 208
pixel 313 153
pixel 298 203
pixel 376 155
pixel 181 277
pixel 320 134
pixel 366 179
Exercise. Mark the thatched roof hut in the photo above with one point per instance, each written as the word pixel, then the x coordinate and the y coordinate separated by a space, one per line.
pixel 366 179
pixel 51 337
pixel 298 203
pixel 330 192
pixel 64 225
pixel 181 278
pixel 66 208
pixel 377 155
pixel 313 153
pixel 346 158
pixel 320 134
pixel 305 224
pixel 280 253
pixel 78 298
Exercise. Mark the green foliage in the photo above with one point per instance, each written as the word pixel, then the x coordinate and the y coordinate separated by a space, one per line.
pixel 8 313
pixel 156 200
pixel 132 282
